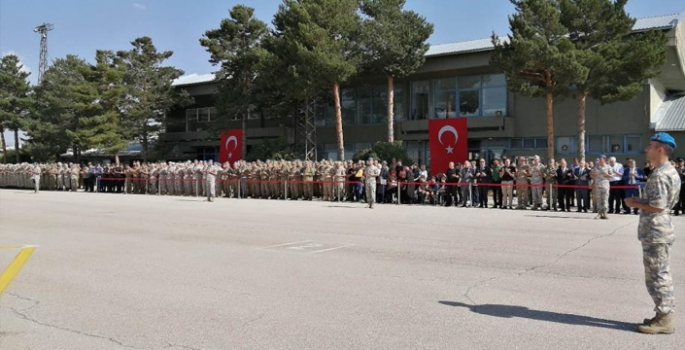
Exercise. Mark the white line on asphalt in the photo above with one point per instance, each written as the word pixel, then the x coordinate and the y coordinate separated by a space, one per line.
pixel 284 244
pixel 329 249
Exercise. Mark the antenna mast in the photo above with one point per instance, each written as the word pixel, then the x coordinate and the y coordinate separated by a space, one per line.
pixel 43 30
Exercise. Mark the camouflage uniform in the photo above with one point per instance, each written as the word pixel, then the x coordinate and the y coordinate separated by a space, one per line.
pixel 522 172
pixel 657 234
pixel 371 173
pixel 550 174
pixel 537 180
pixel 601 188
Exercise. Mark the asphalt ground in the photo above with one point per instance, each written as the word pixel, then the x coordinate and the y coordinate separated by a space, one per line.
pixel 147 272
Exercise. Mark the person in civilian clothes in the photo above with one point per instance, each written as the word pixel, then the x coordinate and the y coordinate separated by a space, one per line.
pixel 483 178
pixel 616 193
pixel 565 178
pixel 582 178
pixel 680 167
pixel 496 184
pixel 632 176
pixel 452 181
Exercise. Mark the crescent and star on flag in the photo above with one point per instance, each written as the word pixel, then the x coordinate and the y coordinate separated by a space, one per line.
pixel 448 129
pixel 227 145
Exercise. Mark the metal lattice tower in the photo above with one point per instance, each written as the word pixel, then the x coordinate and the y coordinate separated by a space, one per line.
pixel 306 130
pixel 43 30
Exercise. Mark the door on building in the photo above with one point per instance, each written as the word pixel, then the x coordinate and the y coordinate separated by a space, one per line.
pixel 474 149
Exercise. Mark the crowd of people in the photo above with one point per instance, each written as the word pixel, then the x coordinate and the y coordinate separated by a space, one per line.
pixel 505 184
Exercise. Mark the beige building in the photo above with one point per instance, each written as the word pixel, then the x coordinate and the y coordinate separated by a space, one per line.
pixel 458 81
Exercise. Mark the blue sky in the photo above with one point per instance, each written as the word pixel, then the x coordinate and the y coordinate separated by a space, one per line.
pixel 83 26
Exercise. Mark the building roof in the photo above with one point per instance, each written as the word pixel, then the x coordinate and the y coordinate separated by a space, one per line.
pixel 671 115
pixel 656 22
pixel 193 79
pixel 641 24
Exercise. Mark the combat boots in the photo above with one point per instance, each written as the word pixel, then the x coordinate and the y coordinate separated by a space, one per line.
pixel 660 324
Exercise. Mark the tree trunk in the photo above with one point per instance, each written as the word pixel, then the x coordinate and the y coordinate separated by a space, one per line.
pixel 391 109
pixel 338 122
pixel 116 158
pixel 244 127
pixel 581 126
pixel 550 126
pixel 16 146
pixel 77 156
pixel 4 144
pixel 145 147
pixel 550 116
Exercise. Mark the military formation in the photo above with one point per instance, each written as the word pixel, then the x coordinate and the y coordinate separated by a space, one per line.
pixel 532 182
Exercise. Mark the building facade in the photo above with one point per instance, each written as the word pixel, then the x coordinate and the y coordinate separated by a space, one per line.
pixel 457 80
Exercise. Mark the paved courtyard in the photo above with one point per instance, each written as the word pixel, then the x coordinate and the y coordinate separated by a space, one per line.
pixel 147 272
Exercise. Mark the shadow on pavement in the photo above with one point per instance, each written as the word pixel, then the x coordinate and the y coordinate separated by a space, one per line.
pixel 509 311
pixel 343 206
pixel 561 217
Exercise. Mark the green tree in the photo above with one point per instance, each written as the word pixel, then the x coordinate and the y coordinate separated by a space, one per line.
pixel 76 106
pixel 316 43
pixel 538 57
pixel 235 45
pixel 149 93
pixel 395 45
pixel 14 100
pixel 616 61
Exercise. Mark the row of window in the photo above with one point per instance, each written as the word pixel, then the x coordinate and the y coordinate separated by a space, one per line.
pixel 466 96
pixel 609 144
pixel 362 106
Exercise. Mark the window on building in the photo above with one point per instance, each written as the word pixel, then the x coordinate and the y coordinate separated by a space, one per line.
pixel 191 119
pixel 420 100
pixel 634 144
pixel 595 145
pixel 566 145
pixel 379 102
pixel 494 95
pixel 348 101
pixel 616 144
pixel 517 143
pixel 399 104
pixel 203 115
pixel 529 143
pixel 541 143
pixel 365 105
pixel 445 98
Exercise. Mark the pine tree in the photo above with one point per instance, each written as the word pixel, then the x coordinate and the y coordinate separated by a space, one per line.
pixel 235 45
pixel 538 57
pixel 316 43
pixel 14 100
pixel 394 42
pixel 617 62
pixel 149 94
pixel 76 106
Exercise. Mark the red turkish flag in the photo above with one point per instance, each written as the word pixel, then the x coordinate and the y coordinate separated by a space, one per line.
pixel 448 142
pixel 231 147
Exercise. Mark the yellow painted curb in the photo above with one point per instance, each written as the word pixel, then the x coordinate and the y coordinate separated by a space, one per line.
pixel 15 266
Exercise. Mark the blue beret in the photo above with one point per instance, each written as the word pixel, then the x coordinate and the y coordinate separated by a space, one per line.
pixel 665 138
pixel 603 156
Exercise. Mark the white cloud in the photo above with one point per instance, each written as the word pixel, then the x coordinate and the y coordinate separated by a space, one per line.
pixel 139 6
pixel 25 67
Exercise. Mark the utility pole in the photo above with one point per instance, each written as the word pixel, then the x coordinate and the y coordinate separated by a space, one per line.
pixel 43 30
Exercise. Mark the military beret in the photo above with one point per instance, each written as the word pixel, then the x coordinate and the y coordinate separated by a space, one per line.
pixel 665 138
pixel 603 156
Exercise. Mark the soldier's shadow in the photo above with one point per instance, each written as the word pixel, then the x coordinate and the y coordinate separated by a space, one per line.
pixel 560 217
pixel 510 311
